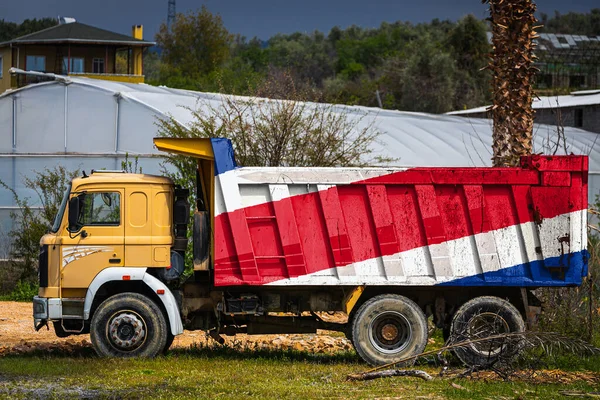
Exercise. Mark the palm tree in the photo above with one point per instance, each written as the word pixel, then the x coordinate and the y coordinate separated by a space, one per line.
pixel 513 31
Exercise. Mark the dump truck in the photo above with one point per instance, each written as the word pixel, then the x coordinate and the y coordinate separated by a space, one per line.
pixel 274 250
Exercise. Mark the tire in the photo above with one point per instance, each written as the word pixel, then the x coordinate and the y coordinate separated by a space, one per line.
pixel 128 325
pixel 388 328
pixel 481 317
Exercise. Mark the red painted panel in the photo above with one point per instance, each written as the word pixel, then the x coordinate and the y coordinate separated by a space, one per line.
pixel 383 220
pixel 243 245
pixel 432 220
pixel 263 230
pixel 548 200
pixel 289 237
pixel 382 216
pixel 476 206
pixel 556 178
pixel 359 221
pixel 555 163
pixel 312 231
pixel 457 176
pixel 499 206
pixel 336 226
pixel 227 267
pixel 406 216
pixel 453 209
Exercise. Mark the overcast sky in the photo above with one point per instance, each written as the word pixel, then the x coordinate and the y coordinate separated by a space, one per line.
pixel 263 18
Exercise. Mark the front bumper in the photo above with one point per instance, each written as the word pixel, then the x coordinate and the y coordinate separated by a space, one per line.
pixel 45 310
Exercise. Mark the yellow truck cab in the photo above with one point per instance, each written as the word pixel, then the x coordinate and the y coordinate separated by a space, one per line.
pixel 111 227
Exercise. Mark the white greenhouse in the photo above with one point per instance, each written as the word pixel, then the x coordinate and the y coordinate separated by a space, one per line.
pixel 91 124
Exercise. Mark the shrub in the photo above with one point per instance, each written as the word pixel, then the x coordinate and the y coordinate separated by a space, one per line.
pixel 23 291
pixel 31 222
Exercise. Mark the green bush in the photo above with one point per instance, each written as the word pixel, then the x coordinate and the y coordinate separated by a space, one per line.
pixel 23 291
pixel 32 219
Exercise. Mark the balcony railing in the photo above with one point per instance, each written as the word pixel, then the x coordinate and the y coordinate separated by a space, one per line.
pixel 110 77
pixel 23 79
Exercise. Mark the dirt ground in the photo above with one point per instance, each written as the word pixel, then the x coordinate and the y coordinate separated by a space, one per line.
pixel 17 335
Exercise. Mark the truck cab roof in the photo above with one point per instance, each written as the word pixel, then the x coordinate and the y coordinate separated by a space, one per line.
pixel 115 177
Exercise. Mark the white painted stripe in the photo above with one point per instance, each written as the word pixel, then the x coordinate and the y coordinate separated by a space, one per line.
pixel 249 186
pixel 72 253
pixel 498 249
pixel 291 175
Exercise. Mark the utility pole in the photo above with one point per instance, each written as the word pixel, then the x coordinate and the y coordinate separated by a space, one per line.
pixel 171 14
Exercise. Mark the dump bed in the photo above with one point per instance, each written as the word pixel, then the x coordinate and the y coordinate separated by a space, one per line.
pixel 521 226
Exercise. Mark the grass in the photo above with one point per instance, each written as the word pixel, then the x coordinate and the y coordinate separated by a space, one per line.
pixel 237 373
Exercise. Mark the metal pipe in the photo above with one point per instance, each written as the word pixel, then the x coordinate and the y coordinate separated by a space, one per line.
pixel 75 155
pixel 66 114
pixel 118 98
pixel 14 144
pixel 56 77
pixel 14 123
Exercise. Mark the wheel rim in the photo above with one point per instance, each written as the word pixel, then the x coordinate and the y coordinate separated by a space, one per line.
pixel 126 331
pixel 390 332
pixel 484 325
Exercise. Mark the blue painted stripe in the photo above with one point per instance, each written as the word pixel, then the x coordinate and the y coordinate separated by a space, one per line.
pixel 547 272
pixel 224 157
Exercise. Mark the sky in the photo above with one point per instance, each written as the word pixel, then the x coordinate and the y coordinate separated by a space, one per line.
pixel 264 18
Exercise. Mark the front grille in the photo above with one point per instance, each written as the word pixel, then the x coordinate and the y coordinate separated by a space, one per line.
pixel 43 266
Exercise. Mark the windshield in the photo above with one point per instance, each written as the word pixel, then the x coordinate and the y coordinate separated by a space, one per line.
pixel 61 210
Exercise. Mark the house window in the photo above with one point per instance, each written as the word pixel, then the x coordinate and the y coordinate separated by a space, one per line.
pixel 98 65
pixel 76 65
pixel 578 117
pixel 36 63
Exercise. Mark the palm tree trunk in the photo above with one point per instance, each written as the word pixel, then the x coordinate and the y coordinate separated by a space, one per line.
pixel 512 82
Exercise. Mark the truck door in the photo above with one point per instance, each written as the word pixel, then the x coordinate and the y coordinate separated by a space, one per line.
pixel 99 244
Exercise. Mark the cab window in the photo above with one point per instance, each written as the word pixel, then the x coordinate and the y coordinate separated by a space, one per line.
pixel 100 209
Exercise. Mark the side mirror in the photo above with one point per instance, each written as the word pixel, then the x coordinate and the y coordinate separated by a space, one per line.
pixel 73 213
pixel 107 199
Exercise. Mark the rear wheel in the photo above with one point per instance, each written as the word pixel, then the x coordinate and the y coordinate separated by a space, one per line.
pixel 483 317
pixel 388 328
pixel 128 325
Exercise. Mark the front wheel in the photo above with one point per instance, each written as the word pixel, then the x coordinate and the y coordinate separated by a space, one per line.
pixel 389 328
pixel 128 325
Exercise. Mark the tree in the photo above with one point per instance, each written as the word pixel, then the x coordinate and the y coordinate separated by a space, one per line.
pixel 12 30
pixel 152 66
pixel 268 132
pixel 470 48
pixel 29 223
pixel 308 56
pixel 572 23
pixel 428 82
pixel 512 79
pixel 197 44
